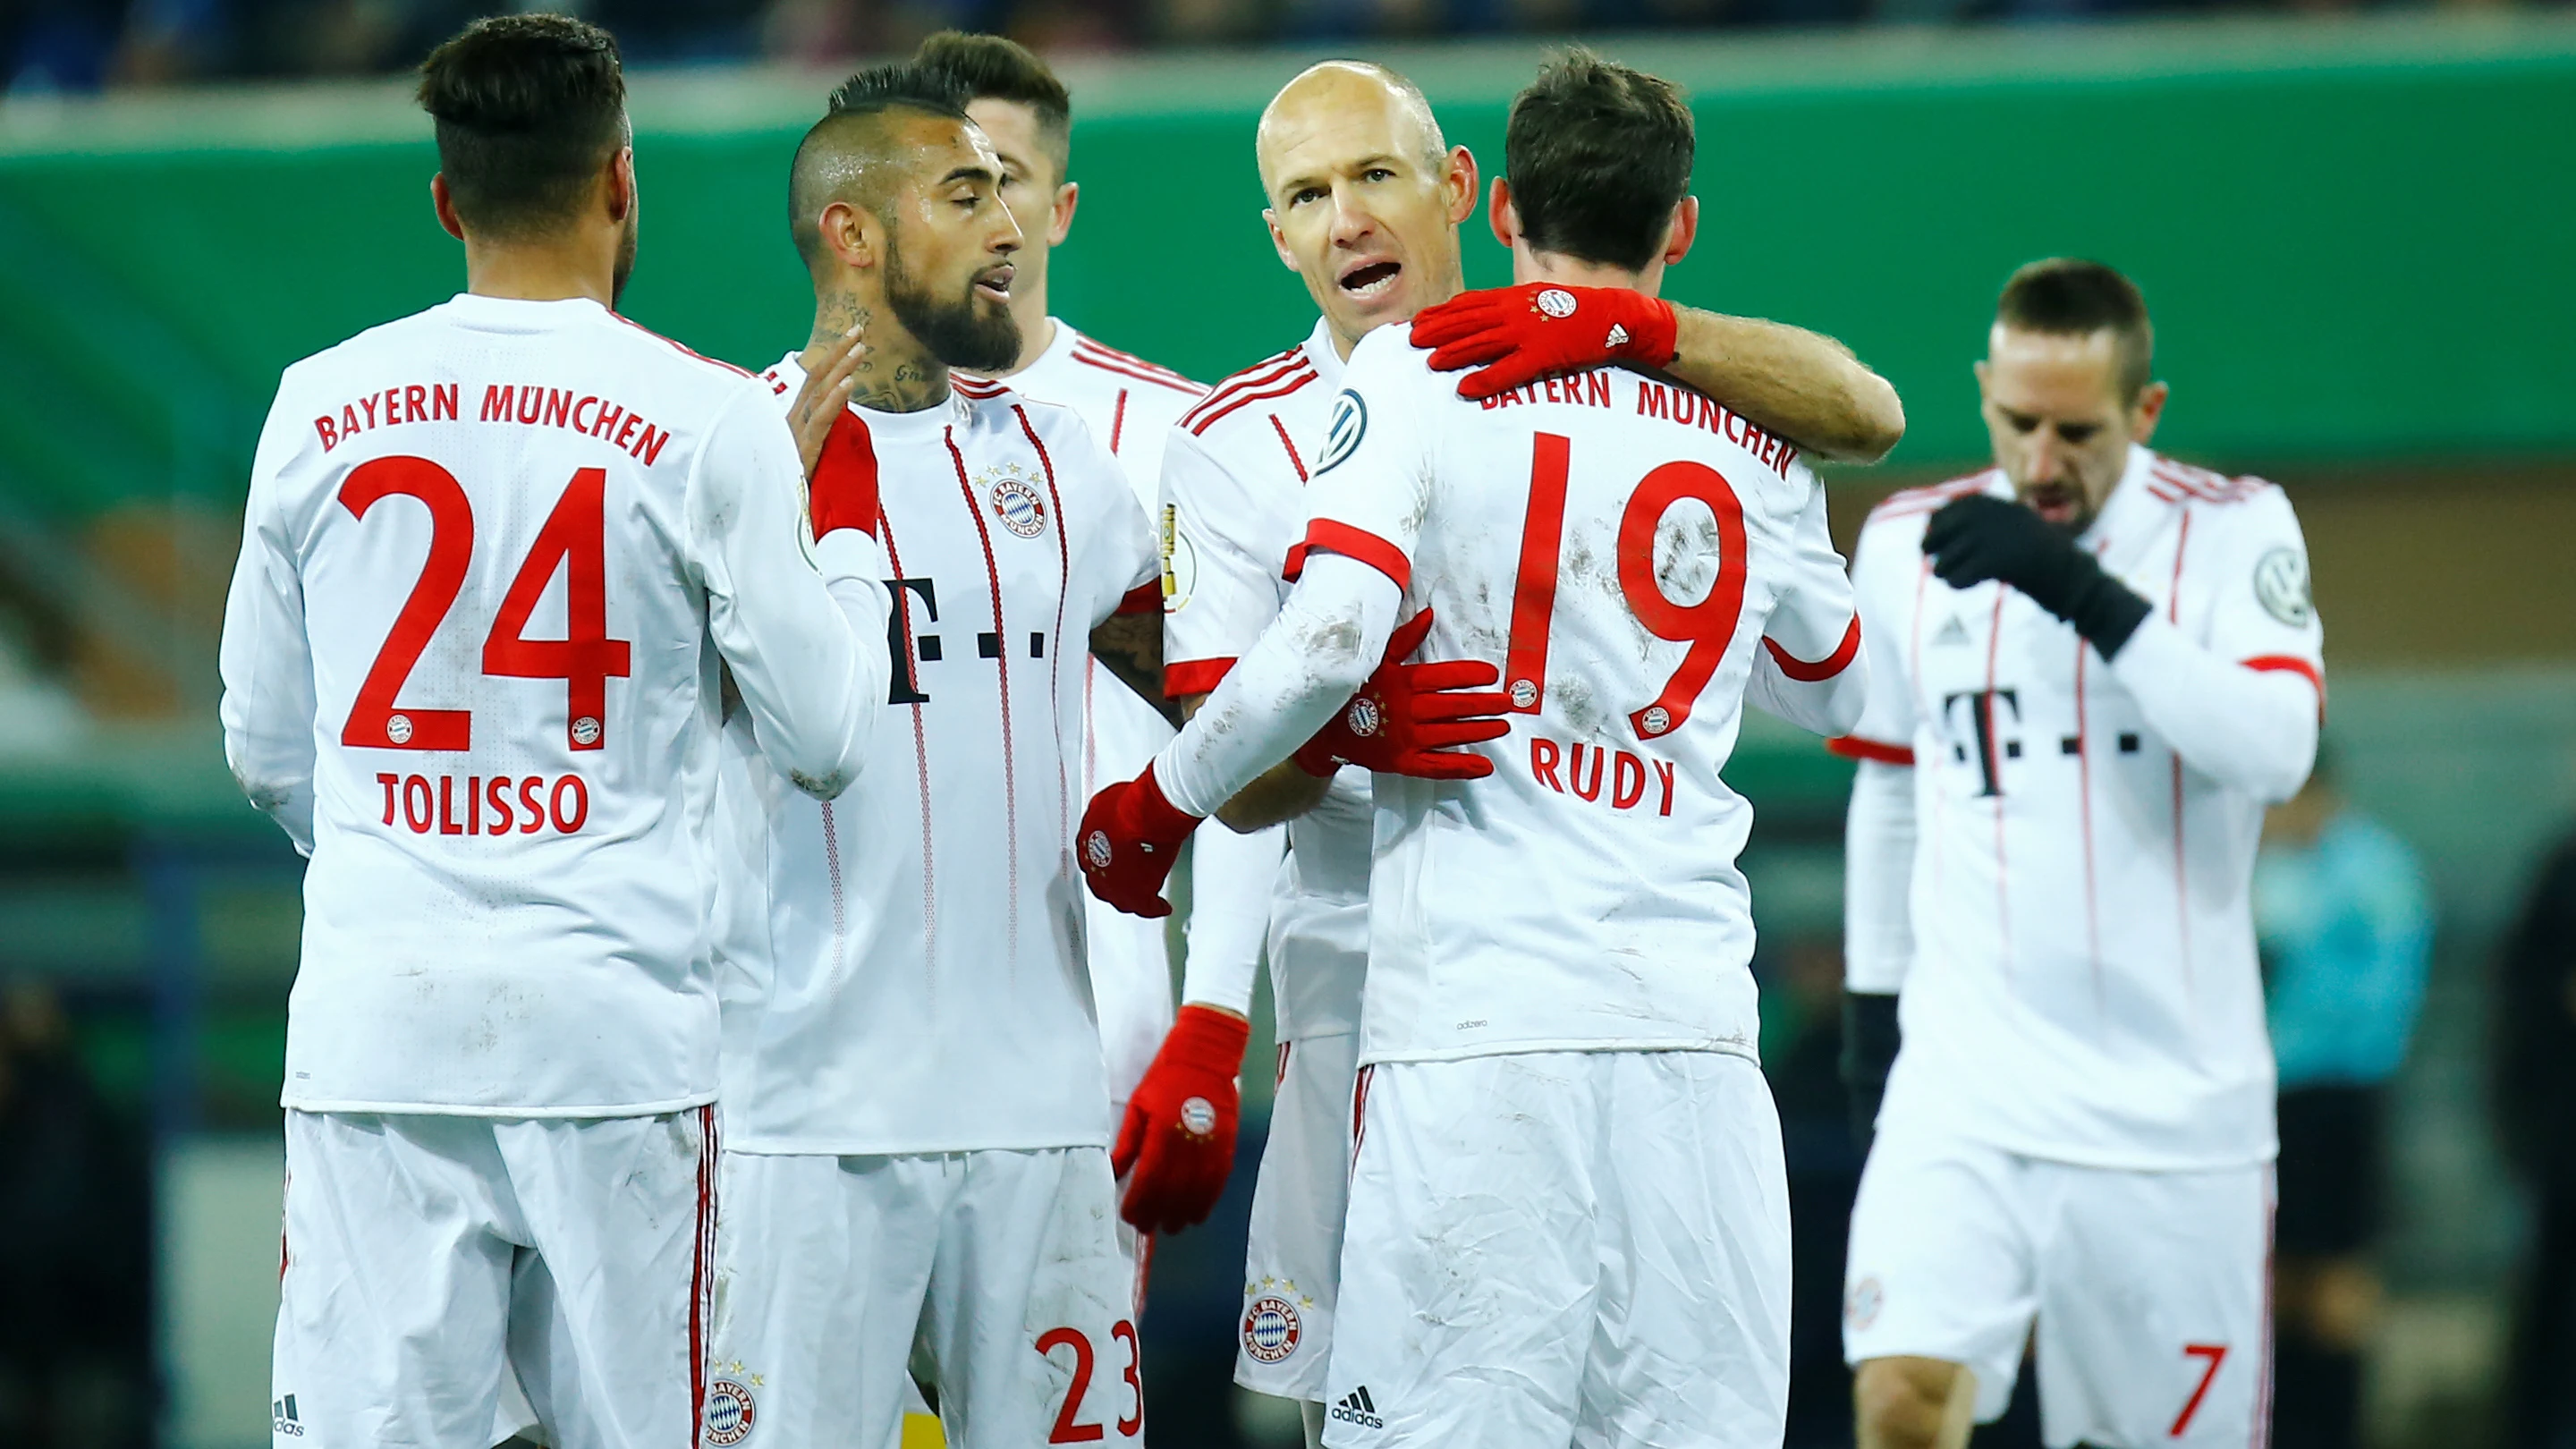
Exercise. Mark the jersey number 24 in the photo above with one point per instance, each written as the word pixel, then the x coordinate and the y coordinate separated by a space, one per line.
pixel 572 539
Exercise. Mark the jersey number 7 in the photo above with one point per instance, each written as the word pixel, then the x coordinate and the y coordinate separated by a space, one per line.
pixel 1708 626
pixel 573 538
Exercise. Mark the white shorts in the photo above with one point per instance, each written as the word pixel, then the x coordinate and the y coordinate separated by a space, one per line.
pixel 1292 1265
pixel 2149 1288
pixel 996 1272
pixel 427 1258
pixel 1565 1248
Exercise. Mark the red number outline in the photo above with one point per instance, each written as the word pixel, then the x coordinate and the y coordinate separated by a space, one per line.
pixel 573 537
pixel 1066 1431
pixel 2216 1353
pixel 1130 1427
pixel 442 578
pixel 1534 592
pixel 1707 626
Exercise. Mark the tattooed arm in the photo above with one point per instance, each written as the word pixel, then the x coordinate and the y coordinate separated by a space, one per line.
pixel 1131 647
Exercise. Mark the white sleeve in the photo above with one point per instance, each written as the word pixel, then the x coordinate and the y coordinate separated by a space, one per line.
pixel 266 656
pixel 1887 566
pixel 1878 879
pixel 1326 641
pixel 1224 576
pixel 808 654
pixel 1809 670
pixel 1119 554
pixel 1231 878
pixel 1372 488
pixel 2242 704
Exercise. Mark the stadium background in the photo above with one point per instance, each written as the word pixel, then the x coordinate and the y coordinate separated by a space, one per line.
pixel 2355 233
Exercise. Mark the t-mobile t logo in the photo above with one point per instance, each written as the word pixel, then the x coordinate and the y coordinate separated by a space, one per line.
pixel 1992 748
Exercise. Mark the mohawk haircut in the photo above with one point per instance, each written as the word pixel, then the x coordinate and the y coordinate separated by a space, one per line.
pixel 996 68
pixel 527 109
pixel 1598 155
pixel 2071 297
pixel 846 155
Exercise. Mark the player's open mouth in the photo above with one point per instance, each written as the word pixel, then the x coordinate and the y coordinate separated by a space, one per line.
pixel 1371 280
pixel 2056 502
pixel 996 284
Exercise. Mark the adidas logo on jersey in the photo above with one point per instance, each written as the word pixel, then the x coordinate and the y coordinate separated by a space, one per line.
pixel 283 1420
pixel 1618 336
pixel 1359 1409
pixel 1953 632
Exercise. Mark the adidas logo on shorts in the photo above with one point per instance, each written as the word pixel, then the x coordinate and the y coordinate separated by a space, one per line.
pixel 1359 1409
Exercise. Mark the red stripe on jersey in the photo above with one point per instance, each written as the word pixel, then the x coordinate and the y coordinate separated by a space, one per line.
pixel 702 1273
pixel 1335 536
pixel 1282 388
pixel 844 491
pixel 1293 460
pixel 2182 874
pixel 677 345
pixel 1294 564
pixel 1092 349
pixel 2084 796
pixel 1267 370
pixel 832 876
pixel 1906 502
pixel 920 750
pixel 1118 421
pixel 1833 664
pixel 1359 1110
pixel 1063 586
pixel 1194 676
pixel 977 387
pixel 2292 664
pixel 1145 598
pixel 1995 771
pixel 1853 747
pixel 1002 670
pixel 1174 381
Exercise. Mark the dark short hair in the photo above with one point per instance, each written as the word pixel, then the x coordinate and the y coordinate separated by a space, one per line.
pixel 2071 297
pixel 1598 156
pixel 844 155
pixel 996 68
pixel 528 107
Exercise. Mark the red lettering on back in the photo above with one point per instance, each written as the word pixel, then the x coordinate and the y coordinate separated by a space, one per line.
pixel 442 401
pixel 1664 772
pixel 330 435
pixel 1543 756
pixel 497 400
pixel 649 446
pixel 391 784
pixel 528 801
pixel 369 403
pixel 1627 780
pixel 500 804
pixel 558 406
pixel 1574 768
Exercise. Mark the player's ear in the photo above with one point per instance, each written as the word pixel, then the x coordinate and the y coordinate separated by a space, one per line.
pixel 1683 231
pixel 621 183
pixel 1278 239
pixel 849 233
pixel 445 205
pixel 1060 219
pixel 1501 215
pixel 1458 184
pixel 2147 411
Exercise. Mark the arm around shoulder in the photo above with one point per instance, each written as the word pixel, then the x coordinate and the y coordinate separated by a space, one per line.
pixel 1802 385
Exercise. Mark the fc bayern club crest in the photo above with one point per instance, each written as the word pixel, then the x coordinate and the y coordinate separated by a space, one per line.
pixel 729 1412
pixel 1271 1330
pixel 1019 507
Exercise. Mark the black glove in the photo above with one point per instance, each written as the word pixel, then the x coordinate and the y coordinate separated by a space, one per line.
pixel 1982 537
pixel 1870 1040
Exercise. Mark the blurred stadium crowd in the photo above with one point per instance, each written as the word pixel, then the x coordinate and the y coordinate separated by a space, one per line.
pixel 56 46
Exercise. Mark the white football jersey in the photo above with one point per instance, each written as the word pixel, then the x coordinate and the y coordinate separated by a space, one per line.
pixel 1234 517
pixel 915 981
pixel 2083 985
pixel 1129 404
pixel 1634 557
pixel 493 557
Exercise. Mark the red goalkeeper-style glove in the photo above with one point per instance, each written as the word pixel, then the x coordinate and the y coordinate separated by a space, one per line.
pixel 1516 335
pixel 1176 1143
pixel 1409 719
pixel 1130 838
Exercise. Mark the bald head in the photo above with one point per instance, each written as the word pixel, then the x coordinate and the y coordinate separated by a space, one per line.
pixel 881 121
pixel 1347 92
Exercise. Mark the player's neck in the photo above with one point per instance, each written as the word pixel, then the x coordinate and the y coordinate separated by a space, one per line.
pixel 898 375
pixel 1029 309
pixel 540 271
pixel 1535 266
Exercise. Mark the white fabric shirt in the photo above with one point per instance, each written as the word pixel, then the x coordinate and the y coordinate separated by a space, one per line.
pixel 912 976
pixel 2073 937
pixel 1638 561
pixel 493 556
pixel 1235 477
pixel 1130 405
